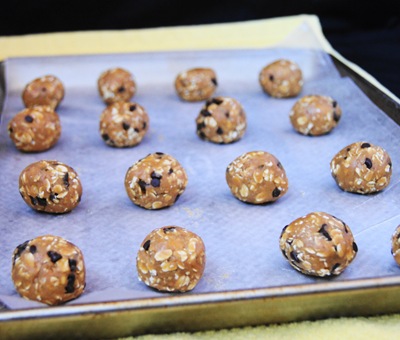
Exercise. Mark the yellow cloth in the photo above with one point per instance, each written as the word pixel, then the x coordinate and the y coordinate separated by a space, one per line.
pixel 249 34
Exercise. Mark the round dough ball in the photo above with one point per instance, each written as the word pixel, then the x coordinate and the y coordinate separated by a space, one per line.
pixel 123 124
pixel 362 168
pixel 222 120
pixel 48 269
pixel 171 259
pixel 396 245
pixel 318 244
pixel 281 79
pixel 35 129
pixel 315 115
pixel 46 90
pixel 156 181
pixel 196 84
pixel 257 177
pixel 50 186
pixel 116 85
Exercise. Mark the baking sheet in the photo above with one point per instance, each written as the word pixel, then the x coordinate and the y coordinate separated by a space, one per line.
pixel 241 239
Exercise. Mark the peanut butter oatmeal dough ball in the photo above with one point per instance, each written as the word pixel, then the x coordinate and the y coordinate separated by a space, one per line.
pixel 196 84
pixel 48 269
pixel 156 181
pixel 222 120
pixel 257 177
pixel 396 245
pixel 281 79
pixel 123 124
pixel 318 244
pixel 116 85
pixel 46 90
pixel 315 115
pixel 50 186
pixel 362 168
pixel 171 259
pixel 35 129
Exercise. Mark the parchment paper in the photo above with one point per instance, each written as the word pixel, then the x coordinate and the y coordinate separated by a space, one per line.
pixel 242 240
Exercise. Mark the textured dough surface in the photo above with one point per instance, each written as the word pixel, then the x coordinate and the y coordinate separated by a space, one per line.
pixel 171 259
pixel 48 269
pixel 196 84
pixel 116 85
pixel 46 90
pixel 318 244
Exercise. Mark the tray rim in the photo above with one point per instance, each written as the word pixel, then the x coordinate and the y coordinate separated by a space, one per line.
pixel 322 299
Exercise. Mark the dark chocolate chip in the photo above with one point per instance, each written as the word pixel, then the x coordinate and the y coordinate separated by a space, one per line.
pixel 200 126
pixel 52 197
pixel 44 89
pixel 202 135
pixel 334 103
pixel 105 136
pixel 355 248
pixel 72 264
pixel 294 257
pixel 365 145
pixel 41 201
pixel 205 113
pixel 336 117
pixel 28 119
pixel 10 130
pixel 271 77
pixel 368 163
pixel 169 229
pixel 121 89
pixel 284 253
pixel 132 107
pixel 21 248
pixel 217 101
pixel 155 175
pixel 227 114
pixel 144 125
pixel 220 131
pixel 155 182
pixel 33 200
pixel 170 171
pixel 70 284
pixel 276 192
pixel 137 130
pixel 32 249
pixel 54 256
pixel 214 81
pixel 146 245
pixel 283 230
pixel 66 179
pixel 125 126
pixel 279 165
pixel 324 232
pixel 335 266
pixel 142 185
pixel 159 153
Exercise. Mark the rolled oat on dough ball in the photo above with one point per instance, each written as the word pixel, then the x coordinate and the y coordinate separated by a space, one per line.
pixel 362 168
pixel 221 120
pixel 155 181
pixel 396 245
pixel 257 177
pixel 48 269
pixel 50 186
pixel 318 244
pixel 116 85
pixel 35 129
pixel 196 84
pixel 46 90
pixel 281 79
pixel 123 124
pixel 171 259
pixel 315 115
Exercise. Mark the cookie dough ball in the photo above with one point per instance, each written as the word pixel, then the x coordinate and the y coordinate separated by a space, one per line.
pixel 318 244
pixel 50 186
pixel 315 115
pixel 116 85
pixel 362 168
pixel 396 245
pixel 46 90
pixel 124 124
pixel 222 120
pixel 281 79
pixel 48 269
pixel 171 259
pixel 196 84
pixel 257 177
pixel 35 129
pixel 156 181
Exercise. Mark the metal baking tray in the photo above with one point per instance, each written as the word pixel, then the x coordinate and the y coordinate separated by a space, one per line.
pixel 289 296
